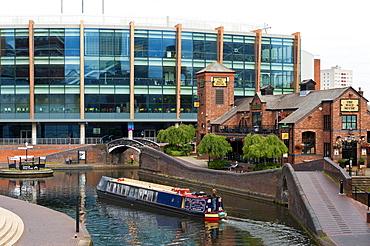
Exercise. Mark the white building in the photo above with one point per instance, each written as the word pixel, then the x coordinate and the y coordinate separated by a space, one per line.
pixel 336 77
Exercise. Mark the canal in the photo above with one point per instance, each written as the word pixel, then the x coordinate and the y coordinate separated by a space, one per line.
pixel 251 222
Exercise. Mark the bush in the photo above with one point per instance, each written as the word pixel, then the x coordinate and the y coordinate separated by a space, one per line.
pixel 266 166
pixel 177 150
pixel 176 153
pixel 217 164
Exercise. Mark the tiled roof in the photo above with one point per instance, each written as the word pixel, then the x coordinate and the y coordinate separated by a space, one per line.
pixel 302 103
pixel 216 67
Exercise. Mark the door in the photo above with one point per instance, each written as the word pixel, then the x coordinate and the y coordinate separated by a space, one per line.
pixel 349 152
pixel 26 135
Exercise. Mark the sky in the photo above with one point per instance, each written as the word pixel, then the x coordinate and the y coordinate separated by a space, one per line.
pixel 336 32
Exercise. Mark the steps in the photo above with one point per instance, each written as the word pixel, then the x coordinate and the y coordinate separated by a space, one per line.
pixel 361 181
pixel 11 227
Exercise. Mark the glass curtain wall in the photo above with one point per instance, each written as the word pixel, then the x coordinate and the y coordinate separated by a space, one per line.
pixel 155 68
pixel 14 74
pixel 56 53
pixel 239 56
pixel 277 64
pixel 107 73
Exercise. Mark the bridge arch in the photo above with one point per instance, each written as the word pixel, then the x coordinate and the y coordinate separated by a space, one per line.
pixel 136 144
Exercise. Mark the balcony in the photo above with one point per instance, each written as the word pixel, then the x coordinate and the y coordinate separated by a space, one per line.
pixel 245 130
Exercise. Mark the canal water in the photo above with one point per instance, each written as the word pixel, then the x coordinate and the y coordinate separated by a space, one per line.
pixel 251 222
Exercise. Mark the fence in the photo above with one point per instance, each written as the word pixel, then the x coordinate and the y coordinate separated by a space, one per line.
pixel 48 141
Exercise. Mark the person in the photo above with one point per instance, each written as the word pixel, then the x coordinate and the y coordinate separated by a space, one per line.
pixel 214 198
pixel 68 160
pixel 132 159
pixel 234 166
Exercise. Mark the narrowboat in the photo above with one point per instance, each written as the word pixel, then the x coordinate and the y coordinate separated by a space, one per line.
pixel 162 197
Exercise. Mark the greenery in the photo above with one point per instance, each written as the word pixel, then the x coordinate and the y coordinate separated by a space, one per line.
pixel 265 166
pixel 260 147
pixel 178 139
pixel 361 160
pixel 217 164
pixel 214 145
pixel 342 161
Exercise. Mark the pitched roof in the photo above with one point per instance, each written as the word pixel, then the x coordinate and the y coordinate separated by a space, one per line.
pixel 216 67
pixel 243 106
pixel 301 103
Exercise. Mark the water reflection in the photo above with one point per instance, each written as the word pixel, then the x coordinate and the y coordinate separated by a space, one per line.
pixel 252 222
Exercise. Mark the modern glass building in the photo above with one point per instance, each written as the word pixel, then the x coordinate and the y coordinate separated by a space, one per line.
pixel 82 82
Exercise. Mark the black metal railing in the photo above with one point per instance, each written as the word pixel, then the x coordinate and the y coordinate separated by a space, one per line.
pixel 365 199
pixel 258 129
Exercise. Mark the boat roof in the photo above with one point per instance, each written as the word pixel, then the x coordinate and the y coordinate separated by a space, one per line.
pixel 153 186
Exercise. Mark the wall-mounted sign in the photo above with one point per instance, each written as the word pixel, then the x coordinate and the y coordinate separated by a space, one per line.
pixel 256 107
pixel 130 126
pixel 196 104
pixel 285 135
pixel 349 105
pixel 219 81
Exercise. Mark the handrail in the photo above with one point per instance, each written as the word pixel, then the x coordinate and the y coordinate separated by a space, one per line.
pixel 49 141
pixel 368 194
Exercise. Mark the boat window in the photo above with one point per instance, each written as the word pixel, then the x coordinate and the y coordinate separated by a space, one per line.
pixel 124 187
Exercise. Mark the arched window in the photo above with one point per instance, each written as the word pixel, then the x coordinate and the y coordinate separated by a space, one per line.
pixel 309 141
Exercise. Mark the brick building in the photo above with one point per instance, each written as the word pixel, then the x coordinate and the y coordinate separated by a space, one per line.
pixel 312 123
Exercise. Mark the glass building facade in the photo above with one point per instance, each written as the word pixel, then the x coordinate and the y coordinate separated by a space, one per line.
pixel 85 82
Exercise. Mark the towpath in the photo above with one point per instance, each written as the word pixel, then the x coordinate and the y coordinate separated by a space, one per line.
pixel 341 218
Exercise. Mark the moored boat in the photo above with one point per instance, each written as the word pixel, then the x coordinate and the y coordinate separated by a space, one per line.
pixel 161 196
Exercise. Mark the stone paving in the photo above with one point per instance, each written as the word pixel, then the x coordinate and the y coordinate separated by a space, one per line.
pixel 341 218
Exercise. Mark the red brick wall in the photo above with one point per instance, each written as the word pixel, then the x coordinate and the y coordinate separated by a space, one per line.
pixel 208 111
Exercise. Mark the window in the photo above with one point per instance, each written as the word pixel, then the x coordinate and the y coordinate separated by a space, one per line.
pixel 327 122
pixel 327 149
pixel 308 139
pixel 219 97
pixel 349 122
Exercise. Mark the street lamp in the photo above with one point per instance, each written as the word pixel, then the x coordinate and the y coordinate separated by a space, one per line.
pixel 26 143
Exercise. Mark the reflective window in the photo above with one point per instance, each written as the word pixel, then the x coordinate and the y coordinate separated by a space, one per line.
pixel 349 122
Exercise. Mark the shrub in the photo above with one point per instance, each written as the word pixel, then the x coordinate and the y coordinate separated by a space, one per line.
pixel 266 166
pixel 217 164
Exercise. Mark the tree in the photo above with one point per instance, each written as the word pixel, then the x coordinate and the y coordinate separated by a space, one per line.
pixel 178 139
pixel 257 146
pixel 214 145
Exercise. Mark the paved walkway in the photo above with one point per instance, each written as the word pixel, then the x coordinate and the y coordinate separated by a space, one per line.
pixel 44 226
pixel 341 218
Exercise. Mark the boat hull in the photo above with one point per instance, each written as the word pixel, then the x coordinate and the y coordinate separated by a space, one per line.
pixel 180 203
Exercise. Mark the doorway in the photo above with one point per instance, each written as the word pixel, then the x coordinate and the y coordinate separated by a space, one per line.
pixel 349 152
pixel 26 134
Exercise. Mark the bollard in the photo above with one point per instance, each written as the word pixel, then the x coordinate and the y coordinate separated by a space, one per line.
pixel 341 187
pixel 368 217
pixel 78 214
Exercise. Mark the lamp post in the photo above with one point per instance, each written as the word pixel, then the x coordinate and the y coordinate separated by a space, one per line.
pixel 26 143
